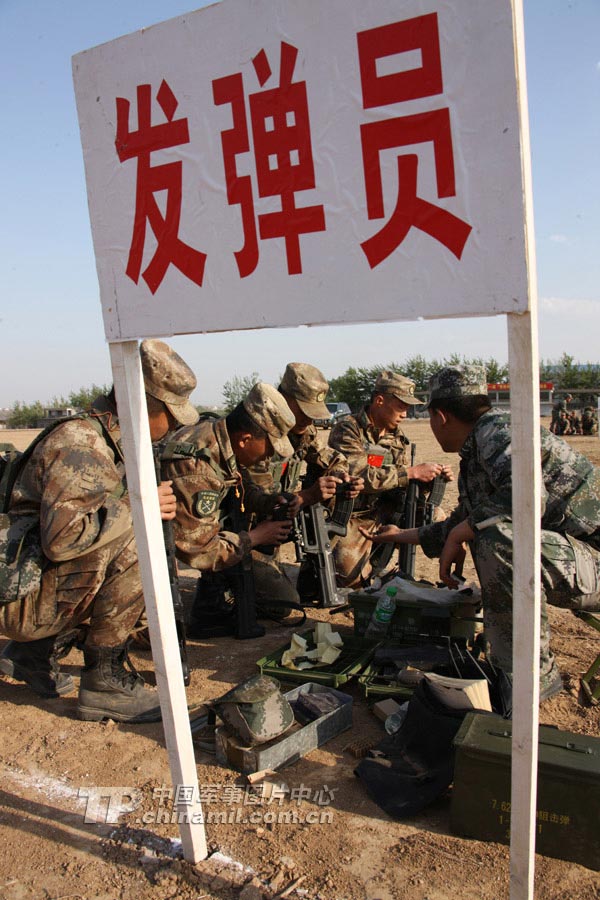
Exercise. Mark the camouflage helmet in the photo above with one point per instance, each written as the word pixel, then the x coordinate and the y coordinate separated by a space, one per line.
pixel 454 382
pixel 268 409
pixel 398 386
pixel 255 710
pixel 168 378
pixel 307 385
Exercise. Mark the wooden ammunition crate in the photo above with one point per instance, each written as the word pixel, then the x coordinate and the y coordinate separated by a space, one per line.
pixel 568 802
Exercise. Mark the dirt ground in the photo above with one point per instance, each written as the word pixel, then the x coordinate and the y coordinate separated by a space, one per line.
pixel 341 846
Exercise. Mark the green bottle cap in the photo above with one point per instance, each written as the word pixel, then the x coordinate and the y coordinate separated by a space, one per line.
pixel 391 591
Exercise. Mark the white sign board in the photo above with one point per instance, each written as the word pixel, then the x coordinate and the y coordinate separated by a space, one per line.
pixel 263 163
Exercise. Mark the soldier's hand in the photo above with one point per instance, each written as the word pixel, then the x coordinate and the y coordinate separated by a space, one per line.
pixel 385 534
pixel 167 501
pixel 323 489
pixel 270 532
pixel 454 553
pixel 447 473
pixel 356 485
pixel 292 504
pixel 425 471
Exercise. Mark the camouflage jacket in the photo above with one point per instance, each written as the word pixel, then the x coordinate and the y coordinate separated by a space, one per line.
pixel 74 482
pixel 278 474
pixel 570 485
pixel 200 461
pixel 381 459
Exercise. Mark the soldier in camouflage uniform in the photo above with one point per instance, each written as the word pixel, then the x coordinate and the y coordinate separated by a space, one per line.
pixel 377 450
pixel 304 388
pixel 589 421
pixel 462 421
pixel 74 486
pixel 559 406
pixel 204 463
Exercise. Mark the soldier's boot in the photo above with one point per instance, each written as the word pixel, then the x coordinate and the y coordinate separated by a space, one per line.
pixel 211 615
pixel 36 663
pixel 550 684
pixel 108 690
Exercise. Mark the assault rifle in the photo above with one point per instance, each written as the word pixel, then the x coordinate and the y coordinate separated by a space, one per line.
pixel 312 531
pixel 240 579
pixel 419 499
pixel 169 538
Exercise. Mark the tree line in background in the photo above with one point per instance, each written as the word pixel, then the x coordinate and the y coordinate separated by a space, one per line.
pixel 353 387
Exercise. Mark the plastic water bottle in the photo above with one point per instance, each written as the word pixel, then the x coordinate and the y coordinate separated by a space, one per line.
pixel 382 614
pixel 395 722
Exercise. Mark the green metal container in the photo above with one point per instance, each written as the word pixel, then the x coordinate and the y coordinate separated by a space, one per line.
pixel 354 657
pixel 568 802
pixel 412 618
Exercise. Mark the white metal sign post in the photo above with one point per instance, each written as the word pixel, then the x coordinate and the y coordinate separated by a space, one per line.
pixel 267 163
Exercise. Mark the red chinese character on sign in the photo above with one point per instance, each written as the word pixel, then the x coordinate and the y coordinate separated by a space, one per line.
pixel 412 35
pixel 282 155
pixel 152 179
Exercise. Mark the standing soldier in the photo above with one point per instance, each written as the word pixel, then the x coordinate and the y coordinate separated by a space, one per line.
pixel 559 406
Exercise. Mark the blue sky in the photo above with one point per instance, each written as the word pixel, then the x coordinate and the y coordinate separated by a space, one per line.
pixel 50 320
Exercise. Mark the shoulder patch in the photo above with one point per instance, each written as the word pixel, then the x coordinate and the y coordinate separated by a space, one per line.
pixel 206 502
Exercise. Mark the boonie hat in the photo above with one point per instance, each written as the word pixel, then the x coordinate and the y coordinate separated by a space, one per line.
pixel 168 378
pixel 454 382
pixel 398 386
pixel 268 409
pixel 307 385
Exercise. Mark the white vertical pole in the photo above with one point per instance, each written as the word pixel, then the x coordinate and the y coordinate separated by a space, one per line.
pixel 141 483
pixel 526 493
pixel 526 477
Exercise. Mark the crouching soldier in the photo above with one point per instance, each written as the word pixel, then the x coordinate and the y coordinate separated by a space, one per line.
pixel 463 422
pixel 70 500
pixel 205 464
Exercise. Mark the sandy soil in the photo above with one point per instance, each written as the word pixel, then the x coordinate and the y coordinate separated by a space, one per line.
pixel 356 851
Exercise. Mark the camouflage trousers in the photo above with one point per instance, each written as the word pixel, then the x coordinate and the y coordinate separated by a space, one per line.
pixel 570 579
pixel 270 580
pixel 352 553
pixel 103 588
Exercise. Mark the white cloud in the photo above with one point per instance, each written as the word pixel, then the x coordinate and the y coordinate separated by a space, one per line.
pixel 559 238
pixel 569 306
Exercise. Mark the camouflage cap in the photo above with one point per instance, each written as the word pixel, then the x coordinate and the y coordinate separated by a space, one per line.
pixel 168 378
pixel 458 381
pixel 398 386
pixel 268 409
pixel 307 385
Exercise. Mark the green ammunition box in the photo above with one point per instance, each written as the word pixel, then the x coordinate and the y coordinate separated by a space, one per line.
pixel 568 801
pixel 412 618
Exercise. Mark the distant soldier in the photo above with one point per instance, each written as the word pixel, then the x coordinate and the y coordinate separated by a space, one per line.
pixel 559 406
pixel 575 422
pixel 589 421
pixel 562 425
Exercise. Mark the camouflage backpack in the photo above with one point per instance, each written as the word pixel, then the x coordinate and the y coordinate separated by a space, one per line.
pixel 255 710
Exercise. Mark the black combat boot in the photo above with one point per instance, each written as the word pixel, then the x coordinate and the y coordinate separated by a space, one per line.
pixel 110 691
pixel 36 663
